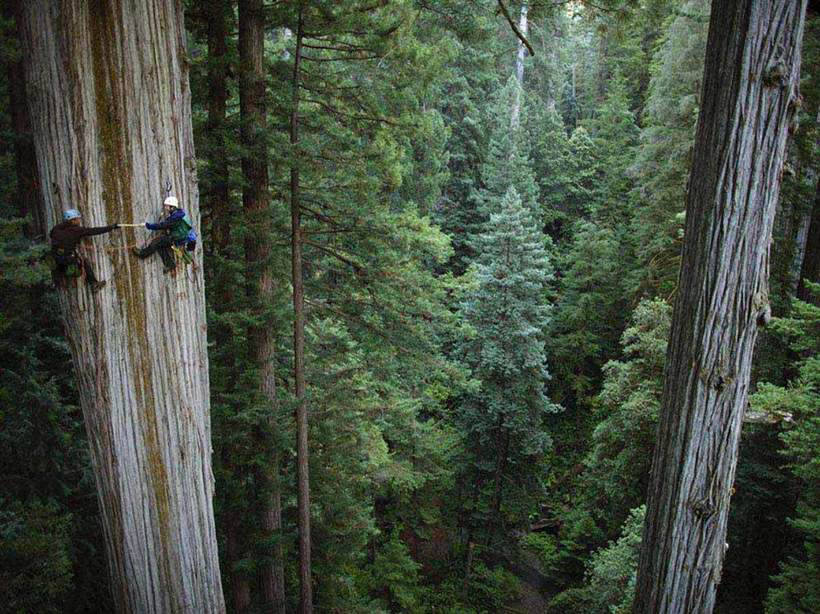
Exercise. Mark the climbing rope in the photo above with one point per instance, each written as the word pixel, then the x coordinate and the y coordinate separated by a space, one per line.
pixel 181 254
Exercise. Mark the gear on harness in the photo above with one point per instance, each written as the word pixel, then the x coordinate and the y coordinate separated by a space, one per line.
pixel 183 255
pixel 71 268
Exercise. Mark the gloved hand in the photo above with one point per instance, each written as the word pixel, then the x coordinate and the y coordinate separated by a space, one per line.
pixel 116 226
pixel 147 224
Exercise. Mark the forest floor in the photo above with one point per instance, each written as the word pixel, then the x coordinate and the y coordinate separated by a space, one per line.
pixel 530 600
pixel 534 585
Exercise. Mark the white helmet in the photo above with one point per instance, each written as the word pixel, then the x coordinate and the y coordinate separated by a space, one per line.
pixel 171 201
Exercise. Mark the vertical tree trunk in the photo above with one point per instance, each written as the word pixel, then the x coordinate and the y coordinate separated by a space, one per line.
pixel 240 593
pixel 110 109
pixel 804 225
pixel 219 217
pixel 519 67
pixel 502 439
pixel 273 575
pixel 750 82
pixel 217 197
pixel 259 273
pixel 29 197
pixel 800 243
pixel 302 460
pixel 811 257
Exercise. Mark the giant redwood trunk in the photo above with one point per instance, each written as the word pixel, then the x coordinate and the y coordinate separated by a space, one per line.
pixel 750 85
pixel 110 108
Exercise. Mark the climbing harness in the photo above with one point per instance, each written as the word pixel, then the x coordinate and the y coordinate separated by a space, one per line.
pixel 52 261
pixel 181 254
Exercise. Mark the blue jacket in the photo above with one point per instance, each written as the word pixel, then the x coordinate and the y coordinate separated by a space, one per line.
pixel 176 224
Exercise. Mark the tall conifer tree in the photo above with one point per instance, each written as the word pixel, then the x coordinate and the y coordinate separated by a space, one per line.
pixel 504 419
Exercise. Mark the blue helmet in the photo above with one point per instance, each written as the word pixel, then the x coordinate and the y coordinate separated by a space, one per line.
pixel 71 214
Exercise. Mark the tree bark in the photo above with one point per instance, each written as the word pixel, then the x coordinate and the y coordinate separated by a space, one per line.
pixel 259 272
pixel 751 80
pixel 108 90
pixel 240 594
pixel 302 460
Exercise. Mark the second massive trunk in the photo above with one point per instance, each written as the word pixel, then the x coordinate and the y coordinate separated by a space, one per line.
pixel 750 82
pixel 110 110
pixel 259 271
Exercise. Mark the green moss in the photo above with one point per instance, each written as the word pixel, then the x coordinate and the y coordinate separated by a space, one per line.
pixel 117 198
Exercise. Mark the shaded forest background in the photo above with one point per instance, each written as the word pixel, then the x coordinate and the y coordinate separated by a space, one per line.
pixel 491 247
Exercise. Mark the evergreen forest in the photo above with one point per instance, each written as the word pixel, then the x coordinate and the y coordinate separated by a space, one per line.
pixel 420 357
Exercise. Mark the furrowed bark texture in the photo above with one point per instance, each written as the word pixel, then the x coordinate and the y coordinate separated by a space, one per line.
pixel 261 290
pixel 110 108
pixel 751 77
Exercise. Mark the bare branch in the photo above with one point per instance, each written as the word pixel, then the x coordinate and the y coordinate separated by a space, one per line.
pixel 515 29
pixel 355 265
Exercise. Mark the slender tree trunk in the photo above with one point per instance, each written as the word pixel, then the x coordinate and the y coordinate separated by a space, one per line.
pixel 800 237
pixel 751 77
pixel 502 453
pixel 110 107
pixel 799 251
pixel 603 69
pixel 217 196
pixel 519 67
pixel 219 217
pixel 468 565
pixel 273 576
pixel 302 461
pixel 261 290
pixel 29 196
pixel 811 258
pixel 240 595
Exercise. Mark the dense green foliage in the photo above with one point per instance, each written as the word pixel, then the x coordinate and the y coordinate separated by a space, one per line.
pixel 797 586
pixel 488 301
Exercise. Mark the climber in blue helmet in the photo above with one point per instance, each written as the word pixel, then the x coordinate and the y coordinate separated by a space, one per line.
pixel 66 237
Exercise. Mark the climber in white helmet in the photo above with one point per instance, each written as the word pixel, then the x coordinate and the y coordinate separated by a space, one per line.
pixel 178 230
